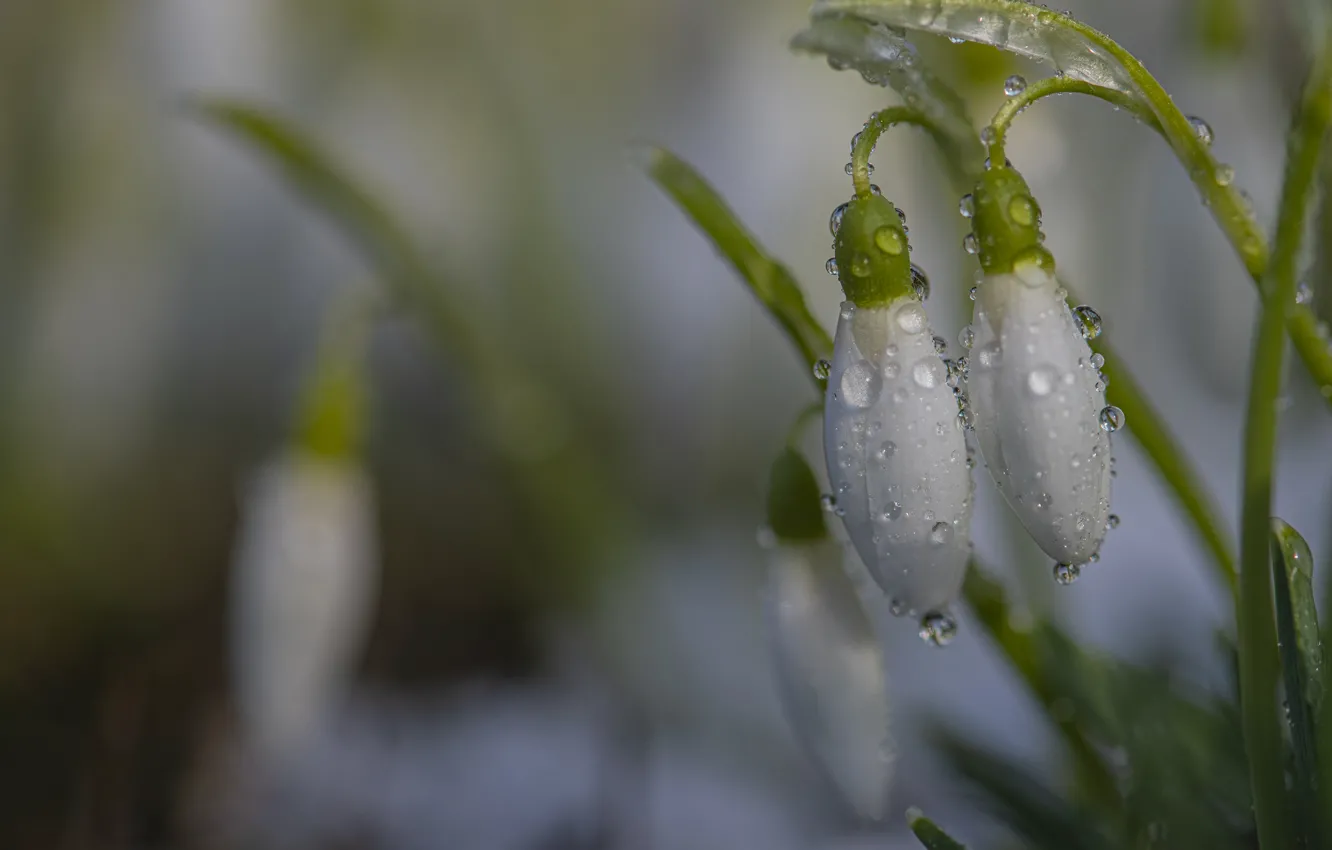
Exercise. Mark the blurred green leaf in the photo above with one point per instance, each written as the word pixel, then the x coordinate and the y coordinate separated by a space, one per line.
pixel 1302 670
pixel 768 279
pixel 794 511
pixel 331 418
pixel 929 833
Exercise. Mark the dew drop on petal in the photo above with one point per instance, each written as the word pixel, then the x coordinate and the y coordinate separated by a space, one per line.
pixel 938 628
pixel 1201 129
pixel 1041 380
pixel 828 501
pixel 940 345
pixel 1066 574
pixel 911 318
pixel 1097 360
pixel 887 450
pixel 920 282
pixel 929 372
pixel 888 240
pixel 1088 321
pixel 941 533
pixel 892 512
pixel 966 336
pixel 1112 419
pixel 861 384
pixel 821 369
pixel 1015 85
pixel 1112 522
pixel 891 371
pixel 989 356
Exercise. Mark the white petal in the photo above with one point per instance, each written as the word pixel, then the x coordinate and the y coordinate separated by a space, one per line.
pixel 896 455
pixel 302 588
pixel 830 673
pixel 1036 407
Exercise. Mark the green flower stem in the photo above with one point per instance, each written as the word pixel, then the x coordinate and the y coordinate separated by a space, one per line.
pixel 879 123
pixel 797 430
pixel 1059 85
pixel 1257 630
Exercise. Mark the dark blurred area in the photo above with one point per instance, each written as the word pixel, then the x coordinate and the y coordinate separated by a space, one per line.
pixel 542 631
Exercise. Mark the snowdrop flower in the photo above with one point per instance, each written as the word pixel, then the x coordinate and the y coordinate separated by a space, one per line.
pixel 828 665
pixel 1035 392
pixel 302 585
pixel 893 440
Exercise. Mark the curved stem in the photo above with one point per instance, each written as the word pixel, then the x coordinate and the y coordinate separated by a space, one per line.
pixel 1059 85
pixel 878 123
pixel 801 422
pixel 1257 631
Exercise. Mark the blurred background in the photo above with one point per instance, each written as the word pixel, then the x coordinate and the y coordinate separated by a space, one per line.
pixel 548 628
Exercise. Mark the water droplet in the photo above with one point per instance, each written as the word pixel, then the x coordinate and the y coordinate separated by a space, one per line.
pixel 889 240
pixel 967 206
pixel 1015 85
pixel 941 533
pixel 855 140
pixel 1066 574
pixel 875 190
pixel 989 356
pixel 920 282
pixel 940 346
pixel 1021 210
pixel 860 264
pixel 892 512
pixel 987 135
pixel 901 215
pixel 929 372
pixel 1112 522
pixel 887 450
pixel 954 373
pixel 971 244
pixel 1112 419
pixel 896 607
pixel 861 384
pixel 1225 175
pixel 1304 293
pixel 1097 360
pixel 966 336
pixel 1088 321
pixel 972 293
pixel 828 501
pixel 1044 501
pixel 938 628
pixel 1041 380
pixel 955 40
pixel 891 371
pixel 911 318
pixel 1202 130
pixel 821 369
pixel 835 220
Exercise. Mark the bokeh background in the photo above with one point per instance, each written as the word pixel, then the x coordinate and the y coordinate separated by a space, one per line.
pixel 565 651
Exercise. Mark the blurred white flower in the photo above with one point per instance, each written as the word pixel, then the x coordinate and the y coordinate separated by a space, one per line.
pixel 1039 410
pixel 896 455
pixel 830 672
pixel 303 585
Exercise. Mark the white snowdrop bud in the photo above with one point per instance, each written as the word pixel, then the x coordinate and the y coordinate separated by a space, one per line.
pixel 1037 398
pixel 829 672
pixel 897 459
pixel 303 584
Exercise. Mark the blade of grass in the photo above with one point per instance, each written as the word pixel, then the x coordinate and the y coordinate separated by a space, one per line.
pixel 770 281
pixel 1257 631
pixel 1302 670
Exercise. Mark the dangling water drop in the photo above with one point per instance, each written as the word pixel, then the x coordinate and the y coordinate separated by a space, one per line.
pixel 967 206
pixel 1112 522
pixel 987 135
pixel 938 628
pixel 821 369
pixel 1015 85
pixel 940 345
pixel 966 336
pixel 1112 419
pixel 1202 130
pixel 1097 360
pixel 1066 574
pixel 828 502
pixel 831 266
pixel 920 282
pixel 1088 321
pixel 971 244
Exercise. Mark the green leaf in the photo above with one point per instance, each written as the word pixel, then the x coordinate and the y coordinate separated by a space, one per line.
pixel 1302 670
pixel 331 417
pixel 795 514
pixel 768 279
pixel 929 833
pixel 364 222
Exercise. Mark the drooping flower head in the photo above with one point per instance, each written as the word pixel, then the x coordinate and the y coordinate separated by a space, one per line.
pixel 1036 396
pixel 892 437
